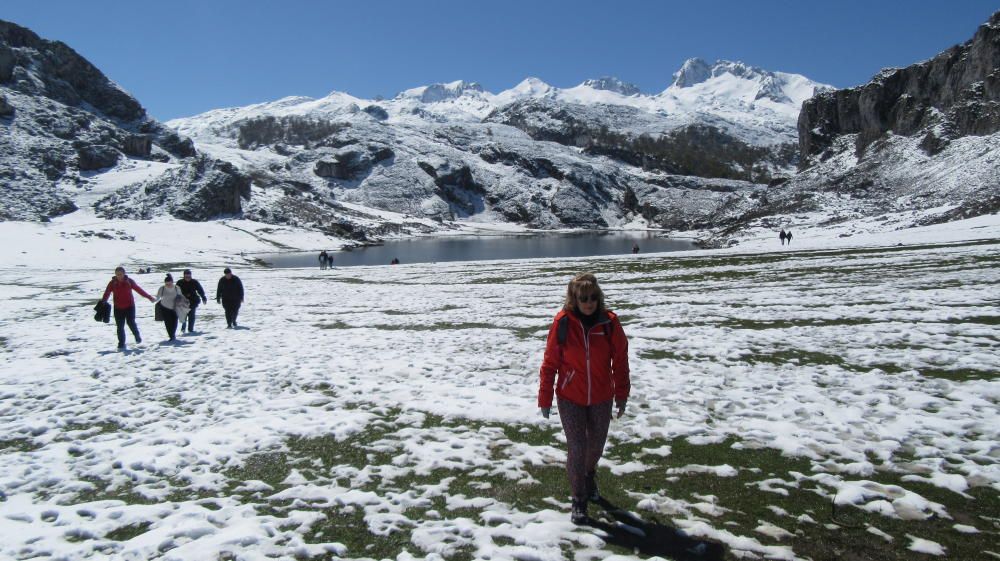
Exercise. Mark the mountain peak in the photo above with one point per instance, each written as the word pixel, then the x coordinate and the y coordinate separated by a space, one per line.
pixel 694 71
pixel 441 92
pixel 612 84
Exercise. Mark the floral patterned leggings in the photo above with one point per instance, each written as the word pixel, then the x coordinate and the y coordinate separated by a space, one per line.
pixel 586 429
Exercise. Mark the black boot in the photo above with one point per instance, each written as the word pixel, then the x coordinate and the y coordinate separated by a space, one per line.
pixel 579 513
pixel 592 493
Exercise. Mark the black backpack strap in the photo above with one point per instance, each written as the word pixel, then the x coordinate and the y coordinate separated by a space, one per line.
pixel 563 330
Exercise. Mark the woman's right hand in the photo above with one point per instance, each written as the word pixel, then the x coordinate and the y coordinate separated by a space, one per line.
pixel 546 411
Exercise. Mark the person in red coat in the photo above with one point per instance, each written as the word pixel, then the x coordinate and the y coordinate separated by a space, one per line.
pixel 586 367
pixel 122 286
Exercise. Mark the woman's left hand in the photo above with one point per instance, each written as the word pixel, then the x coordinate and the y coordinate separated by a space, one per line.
pixel 621 408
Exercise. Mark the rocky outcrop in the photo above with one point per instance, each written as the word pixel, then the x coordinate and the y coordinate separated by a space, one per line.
pixel 96 156
pixel 200 189
pixel 352 162
pixel 6 109
pixel 955 94
pixel 699 150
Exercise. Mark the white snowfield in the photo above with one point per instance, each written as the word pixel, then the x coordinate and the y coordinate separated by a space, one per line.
pixel 379 411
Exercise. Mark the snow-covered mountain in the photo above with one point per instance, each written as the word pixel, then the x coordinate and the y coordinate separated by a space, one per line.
pixel 598 154
pixel 753 105
pixel 62 121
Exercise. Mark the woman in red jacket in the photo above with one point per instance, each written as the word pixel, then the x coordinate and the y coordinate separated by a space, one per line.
pixel 122 286
pixel 586 365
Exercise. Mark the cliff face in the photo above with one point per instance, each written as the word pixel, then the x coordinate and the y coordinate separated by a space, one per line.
pixel 916 145
pixel 955 94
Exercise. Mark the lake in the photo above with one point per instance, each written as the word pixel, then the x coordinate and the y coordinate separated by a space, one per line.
pixel 480 248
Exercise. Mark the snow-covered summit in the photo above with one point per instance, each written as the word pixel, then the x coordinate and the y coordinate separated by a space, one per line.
pixel 757 106
pixel 441 92
pixel 612 84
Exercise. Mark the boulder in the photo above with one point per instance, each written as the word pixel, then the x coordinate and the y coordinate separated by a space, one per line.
pixel 138 145
pixel 96 156
pixel 6 64
pixel 6 109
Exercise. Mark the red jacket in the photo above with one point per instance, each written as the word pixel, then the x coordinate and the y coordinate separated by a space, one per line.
pixel 123 292
pixel 592 369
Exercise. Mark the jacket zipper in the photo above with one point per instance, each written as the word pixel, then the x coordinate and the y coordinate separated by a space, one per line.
pixel 586 345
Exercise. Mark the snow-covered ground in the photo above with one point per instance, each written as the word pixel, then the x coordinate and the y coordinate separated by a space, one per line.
pixel 389 412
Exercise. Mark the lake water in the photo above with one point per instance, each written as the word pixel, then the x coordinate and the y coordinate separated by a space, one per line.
pixel 480 248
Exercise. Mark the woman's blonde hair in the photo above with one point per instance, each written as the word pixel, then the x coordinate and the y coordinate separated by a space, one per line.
pixel 584 283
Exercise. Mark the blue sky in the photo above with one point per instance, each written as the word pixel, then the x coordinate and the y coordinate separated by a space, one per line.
pixel 183 57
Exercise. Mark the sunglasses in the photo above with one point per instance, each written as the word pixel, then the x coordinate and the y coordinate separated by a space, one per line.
pixel 587 298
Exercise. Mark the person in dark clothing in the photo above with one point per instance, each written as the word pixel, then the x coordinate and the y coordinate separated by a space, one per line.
pixel 323 259
pixel 588 351
pixel 788 236
pixel 395 261
pixel 194 292
pixel 230 294
pixel 782 236
pixel 635 248
pixel 122 286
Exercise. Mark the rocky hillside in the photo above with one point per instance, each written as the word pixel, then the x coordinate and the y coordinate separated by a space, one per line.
pixel 63 121
pixel 924 137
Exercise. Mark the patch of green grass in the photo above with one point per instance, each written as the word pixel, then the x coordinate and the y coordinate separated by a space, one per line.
pixel 335 324
pixel 19 445
pixel 126 533
pixel 958 375
pixel 836 534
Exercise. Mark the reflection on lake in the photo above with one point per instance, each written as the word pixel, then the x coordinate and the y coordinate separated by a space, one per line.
pixel 479 248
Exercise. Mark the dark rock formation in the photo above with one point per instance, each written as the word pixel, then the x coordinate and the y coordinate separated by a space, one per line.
pixel 957 92
pixel 6 109
pixel 352 162
pixel 96 156
pixel 201 189
pixel 138 145
pixel 377 112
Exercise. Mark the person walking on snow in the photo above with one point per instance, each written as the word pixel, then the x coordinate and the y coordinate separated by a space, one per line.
pixel 782 235
pixel 586 366
pixel 323 259
pixel 193 290
pixel 168 297
pixel 230 294
pixel 788 236
pixel 122 286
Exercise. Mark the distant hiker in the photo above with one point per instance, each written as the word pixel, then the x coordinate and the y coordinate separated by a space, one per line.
pixel 122 286
pixel 635 248
pixel 168 297
pixel 323 258
pixel 788 236
pixel 395 261
pixel 588 350
pixel 782 235
pixel 194 292
pixel 230 294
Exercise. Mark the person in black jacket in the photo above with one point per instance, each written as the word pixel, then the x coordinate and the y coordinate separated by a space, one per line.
pixel 230 294
pixel 194 292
